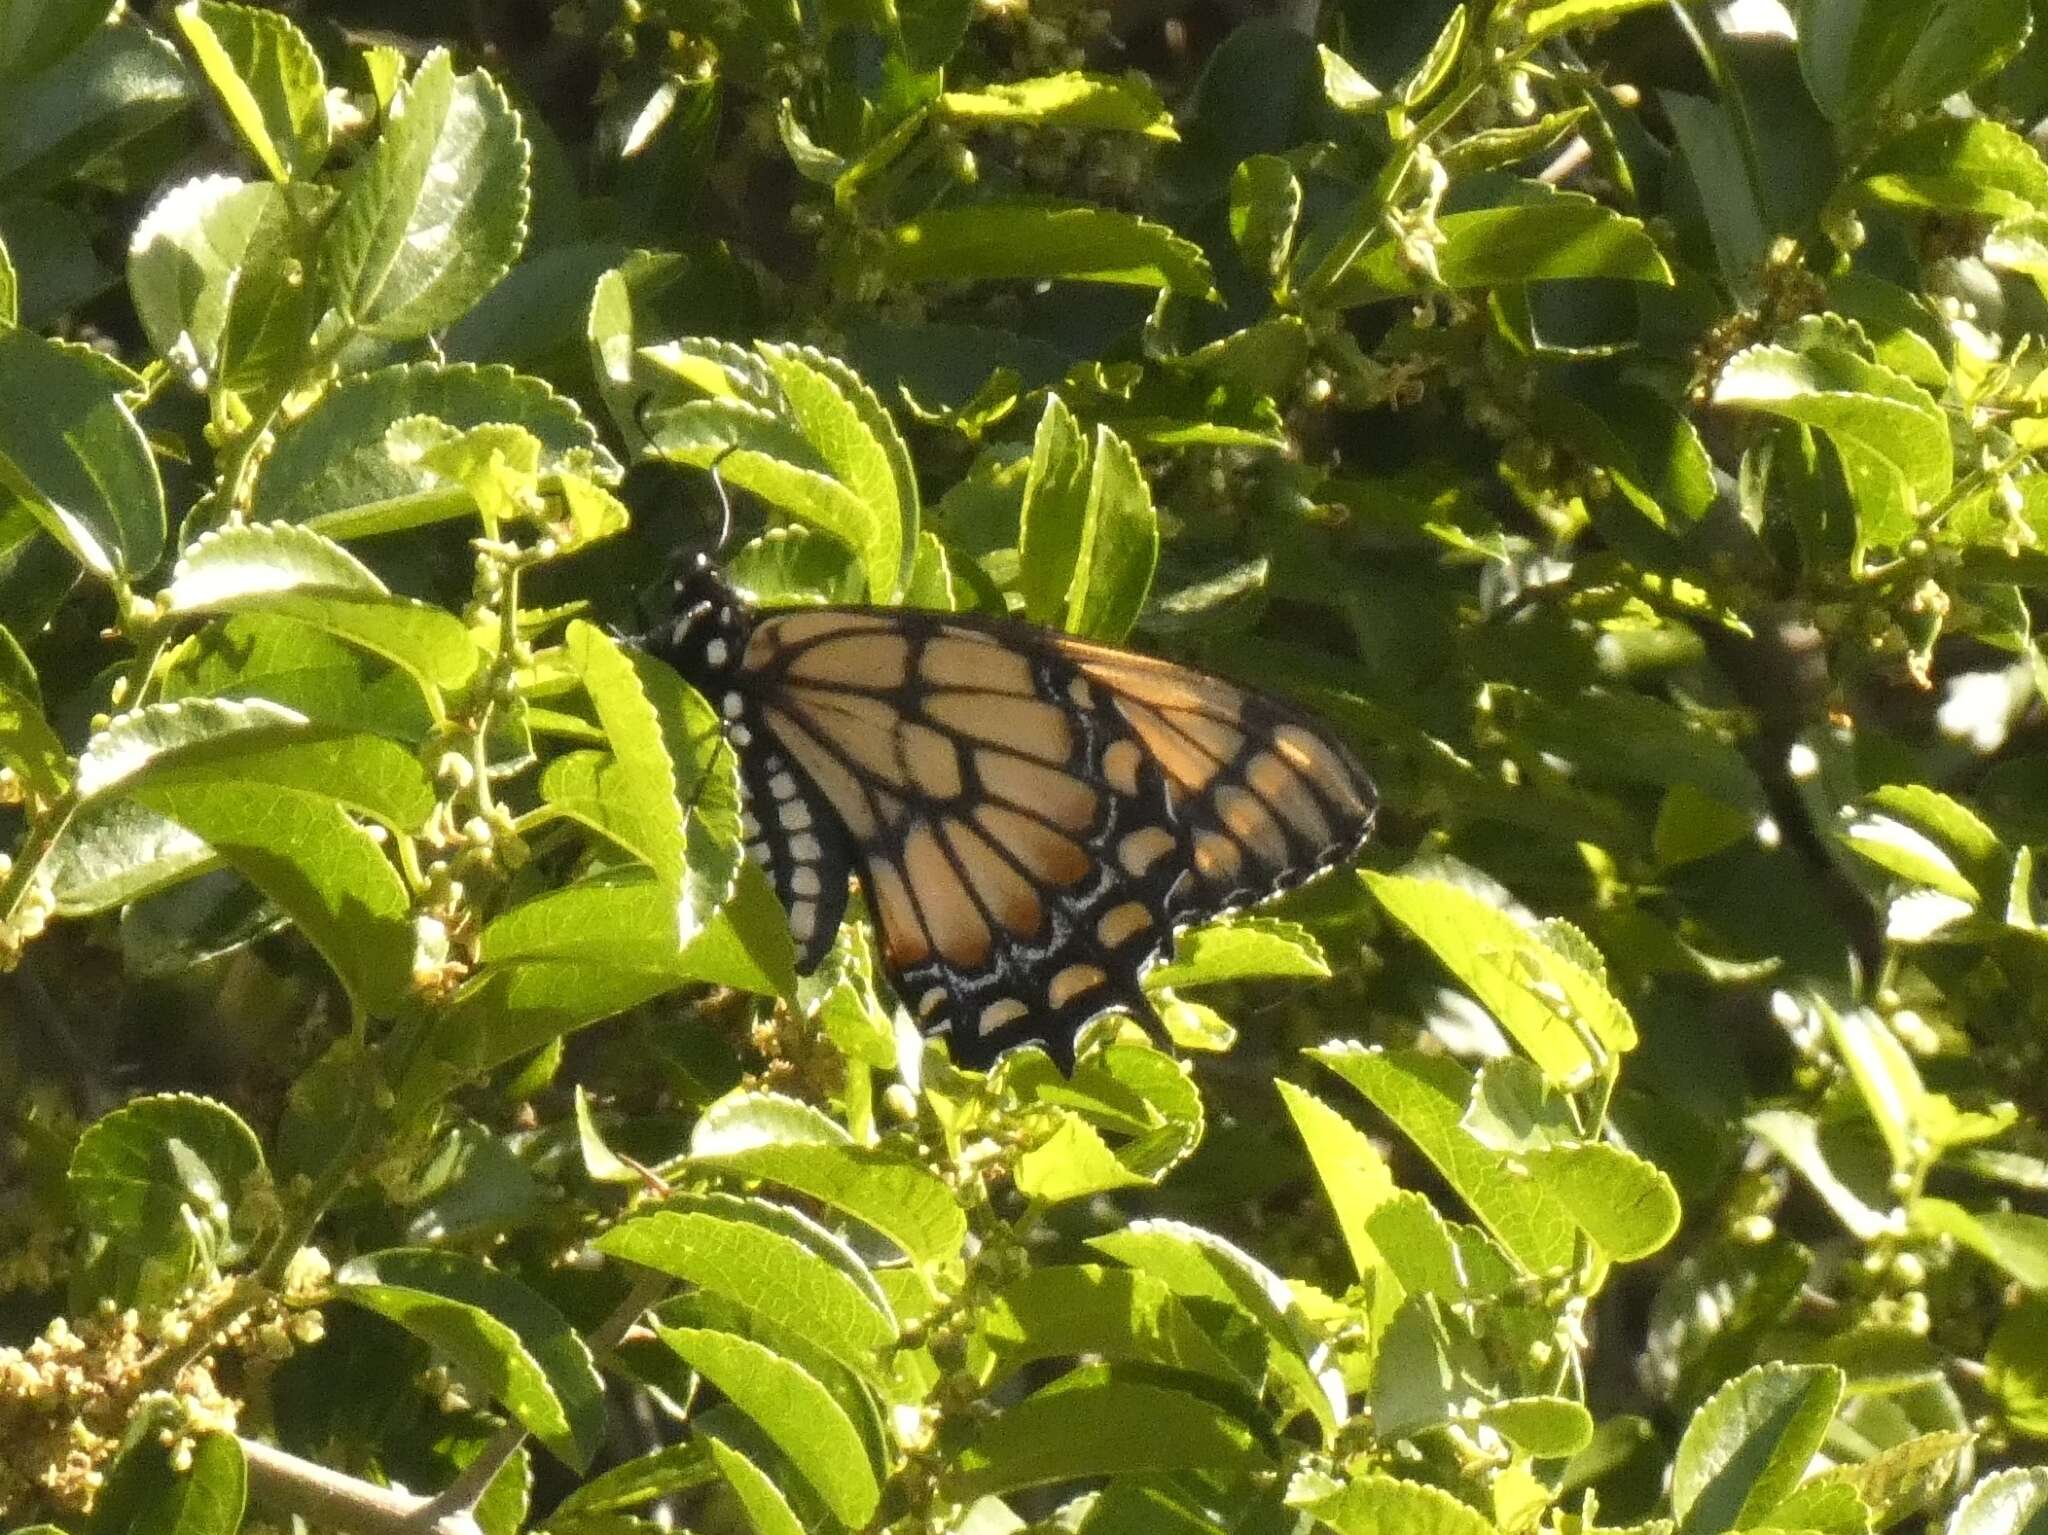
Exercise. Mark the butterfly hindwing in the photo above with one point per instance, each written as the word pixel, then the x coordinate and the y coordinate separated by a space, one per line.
pixel 1265 797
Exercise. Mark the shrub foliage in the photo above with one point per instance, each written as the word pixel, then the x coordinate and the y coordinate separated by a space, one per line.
pixel 1618 420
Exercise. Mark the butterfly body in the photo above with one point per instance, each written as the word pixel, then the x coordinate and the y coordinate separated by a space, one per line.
pixel 1030 815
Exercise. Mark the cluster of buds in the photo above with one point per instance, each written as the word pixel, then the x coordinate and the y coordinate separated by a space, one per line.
pixel 70 1398
pixel 66 1400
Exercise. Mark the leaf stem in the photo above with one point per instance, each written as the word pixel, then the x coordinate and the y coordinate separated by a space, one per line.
pixel 1387 186
pixel 43 833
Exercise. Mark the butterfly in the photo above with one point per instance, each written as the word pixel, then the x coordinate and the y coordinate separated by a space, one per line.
pixel 1030 815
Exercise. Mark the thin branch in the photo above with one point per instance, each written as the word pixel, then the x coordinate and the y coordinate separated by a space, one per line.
pixel 96 1095
pixel 1570 160
pixel 467 1490
pixel 324 1497
pixel 285 1483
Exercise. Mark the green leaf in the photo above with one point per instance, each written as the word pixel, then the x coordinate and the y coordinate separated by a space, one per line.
pixel 1957 165
pixel 73 454
pixel 2011 1502
pixel 1433 69
pixel 658 1474
pixel 1797 1138
pixel 1904 1478
pixel 2008 1239
pixel 268 79
pixel 2016 1365
pixel 37 36
pixel 156 740
pixel 787 566
pixel 29 746
pixel 1071 100
pixel 735 1251
pixel 1561 1014
pixel 1354 1176
pixel 1074 1162
pixel 1949 820
pixel 793 1410
pixel 293 572
pixel 1748 1445
pixel 1886 1077
pixel 1627 1206
pixel 1380 1505
pixel 583 953
pixel 1875 417
pixel 1425 1254
pixel 1542 1426
pixel 1900 326
pixel 1200 1265
pixel 1075 244
pixel 273 795
pixel 1265 210
pixel 1547 18
pixel 113 852
pixel 435 213
pixel 1346 89
pixel 1117 1314
pixel 667 751
pixel 1140 1091
pixel 1425 1096
pixel 331 468
pixel 1094 1423
pixel 498 1332
pixel 1056 496
pixel 801 431
pixel 1899 849
pixel 1868 57
pixel 120 82
pixel 10 289
pixel 1240 949
pixel 301 668
pixel 753 1136
pixel 843 421
pixel 1414 1386
pixel 2019 244
pixel 1824 1506
pixel 766 1509
pixel 1496 149
pixel 1552 235
pixel 210 271
pixel 497 465
pixel 1693 824
pixel 1716 146
pixel 1119 544
pixel 1653 454
pixel 145 1495
pixel 171 1181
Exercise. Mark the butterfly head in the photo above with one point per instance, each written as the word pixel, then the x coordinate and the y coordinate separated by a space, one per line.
pixel 705 638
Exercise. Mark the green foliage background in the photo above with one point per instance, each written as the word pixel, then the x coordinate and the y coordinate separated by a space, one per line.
pixel 1619 420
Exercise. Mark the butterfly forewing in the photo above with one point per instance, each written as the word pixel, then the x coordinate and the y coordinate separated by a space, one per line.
pixel 1031 816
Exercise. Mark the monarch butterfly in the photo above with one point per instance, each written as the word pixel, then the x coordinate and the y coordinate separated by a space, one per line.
pixel 1030 815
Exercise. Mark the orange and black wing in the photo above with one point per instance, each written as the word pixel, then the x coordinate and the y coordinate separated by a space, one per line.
pixel 1031 816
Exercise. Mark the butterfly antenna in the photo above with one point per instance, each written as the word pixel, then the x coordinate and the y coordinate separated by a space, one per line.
pixel 724 500
pixel 640 416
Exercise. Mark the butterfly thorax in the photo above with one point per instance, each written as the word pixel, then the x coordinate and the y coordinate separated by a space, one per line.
pixel 706 638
